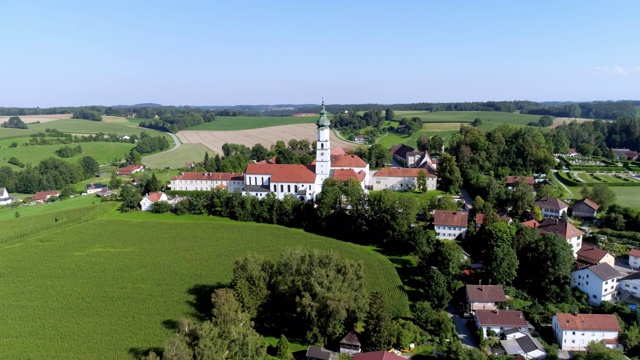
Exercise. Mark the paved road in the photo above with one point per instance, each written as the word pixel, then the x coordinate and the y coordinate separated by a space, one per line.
pixel 176 140
pixel 555 174
pixel 467 198
pixel 461 327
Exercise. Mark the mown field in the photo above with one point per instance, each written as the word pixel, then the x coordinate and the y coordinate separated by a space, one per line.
pixel 82 281
pixel 177 158
pixel 490 119
pixel 628 196
pixel 226 123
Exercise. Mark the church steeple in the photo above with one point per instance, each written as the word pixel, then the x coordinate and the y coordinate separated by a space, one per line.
pixel 323 149
pixel 323 121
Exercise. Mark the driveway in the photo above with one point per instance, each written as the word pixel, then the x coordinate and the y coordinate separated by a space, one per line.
pixel 461 328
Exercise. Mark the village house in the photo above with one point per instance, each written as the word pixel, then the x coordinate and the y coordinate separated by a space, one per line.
pixel 523 344
pixel 350 344
pixel 564 230
pixel 409 157
pixel 206 181
pixel 512 181
pixel 320 353
pixel 377 355
pixel 500 320
pixel 151 198
pixel 634 259
pixel 94 188
pixel 552 207
pixel 575 332
pixel 585 208
pixel 450 224
pixel 402 179
pixel 630 284
pixel 5 199
pixel 591 255
pixel 42 196
pixel 484 297
pixel 130 169
pixel 599 282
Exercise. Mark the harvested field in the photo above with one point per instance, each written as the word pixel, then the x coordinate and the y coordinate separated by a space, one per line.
pixel 560 120
pixel 35 118
pixel 114 119
pixel 265 136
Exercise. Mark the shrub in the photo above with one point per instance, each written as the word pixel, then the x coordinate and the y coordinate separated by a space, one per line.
pixel 14 161
pixel 160 207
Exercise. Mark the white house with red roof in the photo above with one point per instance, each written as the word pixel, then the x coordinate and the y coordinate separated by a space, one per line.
pixel 599 282
pixel 43 196
pixel 634 258
pixel 5 199
pixel 552 207
pixel 450 224
pixel 130 169
pixel 207 181
pixel 564 230
pixel 575 332
pixel 151 198
pixel 500 320
pixel 401 179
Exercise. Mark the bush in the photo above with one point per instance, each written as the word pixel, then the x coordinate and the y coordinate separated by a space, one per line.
pixel 13 145
pixel 160 207
pixel 14 161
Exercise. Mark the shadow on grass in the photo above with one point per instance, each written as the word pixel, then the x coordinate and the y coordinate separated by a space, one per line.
pixel 138 353
pixel 201 302
pixel 408 272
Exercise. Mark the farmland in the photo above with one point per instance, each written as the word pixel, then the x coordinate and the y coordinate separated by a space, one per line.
pixel 230 123
pixel 81 280
pixel 176 158
pixel 38 118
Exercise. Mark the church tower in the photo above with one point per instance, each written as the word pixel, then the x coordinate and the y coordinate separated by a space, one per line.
pixel 323 149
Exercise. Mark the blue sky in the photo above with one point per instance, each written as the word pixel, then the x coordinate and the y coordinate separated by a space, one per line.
pixel 274 52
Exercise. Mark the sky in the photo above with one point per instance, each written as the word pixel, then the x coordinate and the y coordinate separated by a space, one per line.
pixel 73 53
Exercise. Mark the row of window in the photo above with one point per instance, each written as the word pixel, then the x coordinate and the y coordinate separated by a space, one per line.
pixel 295 188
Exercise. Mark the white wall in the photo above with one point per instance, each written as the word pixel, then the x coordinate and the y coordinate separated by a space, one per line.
pixel 578 339
pixel 400 183
pixel 554 214
pixel 598 290
pixel 632 286
pixel 449 232
pixel 576 244
pixel 634 262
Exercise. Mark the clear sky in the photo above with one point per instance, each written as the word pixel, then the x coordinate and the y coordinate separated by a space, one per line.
pixel 275 52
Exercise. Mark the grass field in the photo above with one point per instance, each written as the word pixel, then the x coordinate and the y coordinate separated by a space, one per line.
pixel 628 196
pixel 177 158
pixel 226 123
pixel 88 282
pixel 489 118
pixel 113 125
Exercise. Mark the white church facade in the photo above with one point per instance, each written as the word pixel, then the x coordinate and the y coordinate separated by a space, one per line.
pixel 302 181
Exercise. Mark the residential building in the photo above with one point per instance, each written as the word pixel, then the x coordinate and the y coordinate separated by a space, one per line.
pixel 585 208
pixel 630 284
pixel 130 169
pixel 575 332
pixel 523 344
pixel 402 179
pixel 512 181
pixel 564 230
pixel 43 196
pixel 500 320
pixel 531 223
pixel 320 353
pixel 634 259
pixel 551 207
pixel 94 188
pixel 598 281
pixel 350 344
pixel 484 297
pixel 151 198
pixel 5 199
pixel 377 355
pixel 591 255
pixel 206 181
pixel 450 224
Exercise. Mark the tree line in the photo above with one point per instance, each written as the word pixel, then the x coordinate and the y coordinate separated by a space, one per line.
pixel 597 137
pixel 49 174
pixel 607 110
pixel 14 122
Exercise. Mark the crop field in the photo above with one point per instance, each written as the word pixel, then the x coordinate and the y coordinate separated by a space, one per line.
pixel 488 117
pixel 27 119
pixel 176 158
pixel 265 136
pixel 89 282
pixel 228 123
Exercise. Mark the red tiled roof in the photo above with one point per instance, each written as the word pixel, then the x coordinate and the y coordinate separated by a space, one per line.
pixel 588 322
pixel 514 179
pixel 591 253
pixel 451 218
pixel 486 293
pixel 268 161
pixel 573 151
pixel 402 172
pixel 479 218
pixel 42 195
pixel 338 151
pixel 347 161
pixel 220 176
pixel 634 252
pixel 346 174
pixel 611 341
pixel 377 355
pixel 155 196
pixel 292 173
pixel 129 169
pixel 561 228
pixel 531 223
pixel 549 202
pixel 505 318
pixel 590 203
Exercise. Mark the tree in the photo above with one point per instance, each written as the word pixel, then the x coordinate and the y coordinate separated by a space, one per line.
pixel 450 178
pixel 378 333
pixel 436 144
pixel 90 166
pixel 160 207
pixel 67 191
pixel 602 195
pixel 425 316
pixel 522 198
pixel 502 267
pixel 435 288
pixel 389 115
pixel 598 351
pixel 15 123
pixel 421 181
pixel 378 156
pixel 537 213
pixel 283 348
pixel 423 142
pixel 130 198
pixel 476 122
pixel 548 190
pixel 152 185
pixel 259 152
pixel 250 283
pixel 115 182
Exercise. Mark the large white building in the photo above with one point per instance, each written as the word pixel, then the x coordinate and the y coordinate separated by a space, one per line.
pixel 630 284
pixel 600 282
pixel 551 207
pixel 575 332
pixel 207 181
pixel 450 224
pixel 564 230
pixel 402 179
pixel 634 258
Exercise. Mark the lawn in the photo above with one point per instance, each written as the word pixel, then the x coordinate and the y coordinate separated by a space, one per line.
pixel 628 196
pixel 177 158
pixel 226 123
pixel 89 282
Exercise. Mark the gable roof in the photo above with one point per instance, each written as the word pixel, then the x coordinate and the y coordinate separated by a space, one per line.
pixel 561 228
pixel 402 172
pixel 514 179
pixel 531 223
pixel 210 176
pixel 552 203
pixel 632 276
pixel 154 196
pixel 590 203
pixel 347 161
pixel 43 195
pixel 129 169
pixel 291 173
pixel 401 150
pixel 3 193
pixel 604 271
pixel 351 339
pixel 450 218
pixel 511 318
pixel 95 186
pixel 591 254
pixel 377 355
pixel 318 353
pixel 346 174
pixel 338 151
pixel 634 252
pixel 486 293
pixel 479 218
pixel 588 322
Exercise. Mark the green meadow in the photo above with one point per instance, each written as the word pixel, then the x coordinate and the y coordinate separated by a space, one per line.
pixel 489 118
pixel 177 158
pixel 83 281
pixel 226 123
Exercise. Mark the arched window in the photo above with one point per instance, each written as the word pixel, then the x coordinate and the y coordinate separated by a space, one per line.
pixel 288 188
pixel 281 188
pixel 321 145
pixel 295 188
pixel 275 187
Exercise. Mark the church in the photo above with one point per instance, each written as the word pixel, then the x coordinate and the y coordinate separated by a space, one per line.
pixel 302 181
